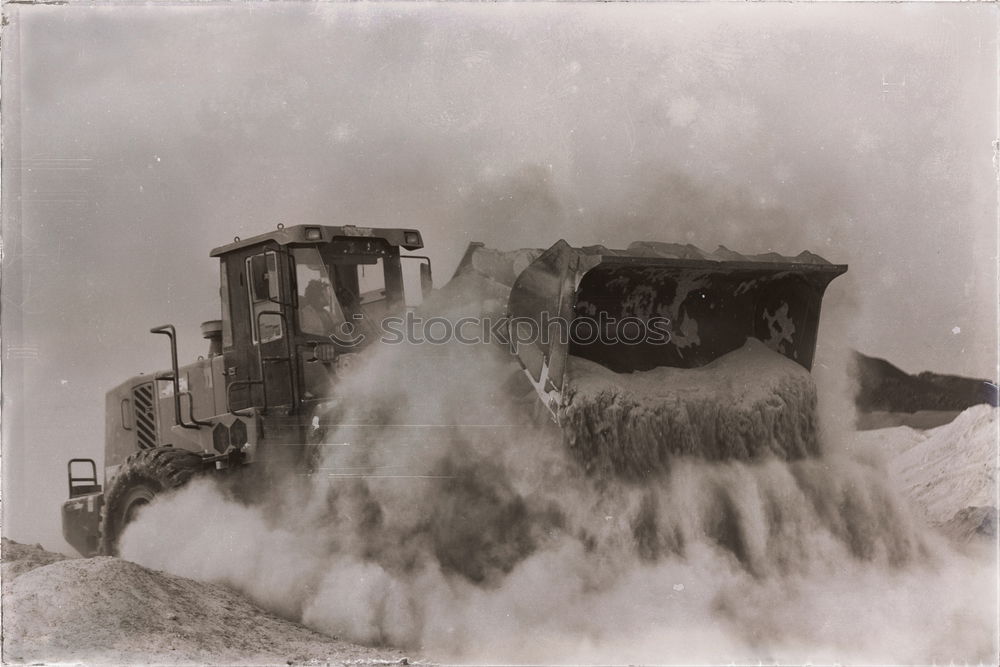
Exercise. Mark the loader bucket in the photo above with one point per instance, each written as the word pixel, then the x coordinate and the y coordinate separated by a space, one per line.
pixel 592 302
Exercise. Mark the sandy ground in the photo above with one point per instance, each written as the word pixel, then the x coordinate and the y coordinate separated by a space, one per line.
pixel 109 611
pixel 21 558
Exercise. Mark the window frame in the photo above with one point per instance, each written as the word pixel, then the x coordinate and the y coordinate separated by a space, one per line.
pixel 297 290
pixel 379 263
pixel 252 299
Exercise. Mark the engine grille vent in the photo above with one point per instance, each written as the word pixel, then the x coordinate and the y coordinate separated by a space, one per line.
pixel 145 419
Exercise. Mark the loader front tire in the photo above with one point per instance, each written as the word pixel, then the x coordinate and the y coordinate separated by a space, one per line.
pixel 144 475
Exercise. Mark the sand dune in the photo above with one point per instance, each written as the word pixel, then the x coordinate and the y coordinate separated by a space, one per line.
pixel 110 611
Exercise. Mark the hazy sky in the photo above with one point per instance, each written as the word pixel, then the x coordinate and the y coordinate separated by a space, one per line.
pixel 149 135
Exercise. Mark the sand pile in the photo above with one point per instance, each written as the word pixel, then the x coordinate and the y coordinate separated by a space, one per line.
pixel 106 610
pixel 21 558
pixel 954 467
pixel 948 473
pixel 745 405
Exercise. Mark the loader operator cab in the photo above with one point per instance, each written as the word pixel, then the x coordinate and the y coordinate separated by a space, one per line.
pixel 297 302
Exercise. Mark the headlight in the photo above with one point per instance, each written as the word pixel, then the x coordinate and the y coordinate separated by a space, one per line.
pixel 411 238
pixel 314 234
pixel 324 352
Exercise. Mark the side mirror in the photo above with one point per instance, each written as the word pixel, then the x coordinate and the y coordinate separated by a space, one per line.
pixel 426 280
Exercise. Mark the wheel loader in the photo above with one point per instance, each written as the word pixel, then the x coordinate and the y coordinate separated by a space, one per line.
pixel 299 302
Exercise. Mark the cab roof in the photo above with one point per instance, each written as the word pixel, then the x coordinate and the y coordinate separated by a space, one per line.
pixel 409 239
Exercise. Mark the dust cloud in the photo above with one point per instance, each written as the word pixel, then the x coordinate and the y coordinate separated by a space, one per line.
pixel 466 531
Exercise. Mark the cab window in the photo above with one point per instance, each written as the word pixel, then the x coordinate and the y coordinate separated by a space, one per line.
pixel 371 282
pixel 319 312
pixel 264 294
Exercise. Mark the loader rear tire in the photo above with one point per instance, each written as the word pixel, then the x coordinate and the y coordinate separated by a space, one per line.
pixel 144 475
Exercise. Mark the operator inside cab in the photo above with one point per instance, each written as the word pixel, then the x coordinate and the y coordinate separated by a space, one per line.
pixel 331 311
pixel 319 313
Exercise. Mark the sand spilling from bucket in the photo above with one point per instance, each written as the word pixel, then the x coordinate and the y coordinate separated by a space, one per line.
pixel 746 405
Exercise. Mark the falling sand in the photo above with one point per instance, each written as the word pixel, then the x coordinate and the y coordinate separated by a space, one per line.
pixel 746 405
pixel 504 549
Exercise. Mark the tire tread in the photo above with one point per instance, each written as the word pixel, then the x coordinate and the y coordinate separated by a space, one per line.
pixel 161 468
